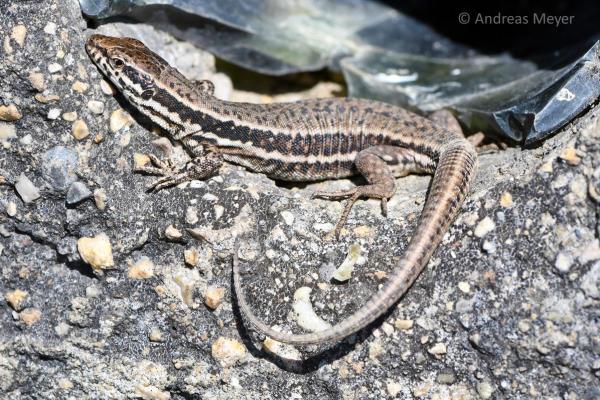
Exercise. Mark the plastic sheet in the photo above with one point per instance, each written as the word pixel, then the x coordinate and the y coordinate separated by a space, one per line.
pixel 383 55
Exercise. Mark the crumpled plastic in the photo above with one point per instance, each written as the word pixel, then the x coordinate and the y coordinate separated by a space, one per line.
pixel 383 55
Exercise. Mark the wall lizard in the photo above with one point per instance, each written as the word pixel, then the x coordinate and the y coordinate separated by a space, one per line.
pixel 300 141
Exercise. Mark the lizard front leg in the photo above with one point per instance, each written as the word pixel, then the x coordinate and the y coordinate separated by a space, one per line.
pixel 200 167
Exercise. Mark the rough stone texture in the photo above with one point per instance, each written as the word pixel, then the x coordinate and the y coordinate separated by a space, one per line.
pixel 490 317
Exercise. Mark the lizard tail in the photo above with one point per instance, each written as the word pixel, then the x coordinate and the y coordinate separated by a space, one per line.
pixel 455 171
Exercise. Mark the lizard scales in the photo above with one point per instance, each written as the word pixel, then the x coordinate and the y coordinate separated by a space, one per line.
pixel 301 141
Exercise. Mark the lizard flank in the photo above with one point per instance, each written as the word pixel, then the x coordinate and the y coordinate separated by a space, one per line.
pixel 301 141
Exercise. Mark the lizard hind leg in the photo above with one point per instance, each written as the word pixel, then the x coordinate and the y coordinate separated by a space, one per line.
pixel 371 163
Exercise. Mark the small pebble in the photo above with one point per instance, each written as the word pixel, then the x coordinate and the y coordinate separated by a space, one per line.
pixel 7 131
pixel 227 351
pixel 26 140
pixel 80 87
pixel 437 349
pixel 156 335
pixel 506 200
pixel 570 156
pixel 404 324
pixel 213 296
pixel 53 113
pixel 219 210
pixel 173 233
pixel 26 189
pixel 563 262
pixel 46 99
pixel 19 33
pixel 344 271
pixel 95 106
pixel 363 231
pixel 65 384
pixel 77 192
pixel 489 247
pixel 288 217
pixel 446 378
pixel 464 287
pixel 70 116
pixel 107 88
pixel 306 316
pixel 50 28
pixel 92 291
pixel 62 329
pixel 143 269
pixel 191 257
pixel 11 209
pixel 54 67
pixel 80 130
pixel 380 275
pixel 191 215
pixel 10 113
pixel 100 198
pixel 546 168
pixel 119 119
pixel 30 316
pixel 8 49
pixel 37 81
pixel 485 390
pixel 387 328
pixel 59 166
pixel 15 299
pixel 283 351
pixel 484 227
pixel 393 388
pixel 96 251
pixel 140 160
pixel 524 326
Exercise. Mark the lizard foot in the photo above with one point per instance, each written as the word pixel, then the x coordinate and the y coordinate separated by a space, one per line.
pixel 369 191
pixel 198 168
pixel 169 174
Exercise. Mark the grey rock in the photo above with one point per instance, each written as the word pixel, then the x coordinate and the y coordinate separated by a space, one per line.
pixel 94 331
pixel 58 167
pixel 77 192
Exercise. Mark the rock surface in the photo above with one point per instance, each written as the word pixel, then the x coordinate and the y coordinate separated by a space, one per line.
pixel 507 308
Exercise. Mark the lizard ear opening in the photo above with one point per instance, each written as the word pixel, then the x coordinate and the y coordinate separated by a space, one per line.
pixel 205 87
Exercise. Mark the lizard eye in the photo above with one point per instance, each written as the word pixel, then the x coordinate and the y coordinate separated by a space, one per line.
pixel 119 63
pixel 147 94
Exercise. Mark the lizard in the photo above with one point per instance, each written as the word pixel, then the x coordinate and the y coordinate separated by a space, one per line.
pixel 309 140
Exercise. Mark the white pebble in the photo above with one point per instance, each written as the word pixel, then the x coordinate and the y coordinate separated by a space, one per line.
pixel 54 113
pixel 305 314
pixel 288 217
pixel 563 262
pixel 95 106
pixel 26 189
pixel 54 67
pixel 484 227
pixel 489 247
pixel 50 28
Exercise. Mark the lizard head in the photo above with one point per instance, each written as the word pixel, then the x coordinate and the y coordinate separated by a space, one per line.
pixel 131 67
pixel 145 79
pixel 141 75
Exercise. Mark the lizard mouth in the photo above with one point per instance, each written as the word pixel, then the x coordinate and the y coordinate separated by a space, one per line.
pixel 96 51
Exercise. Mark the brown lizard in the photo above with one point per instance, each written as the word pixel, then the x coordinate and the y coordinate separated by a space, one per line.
pixel 300 141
